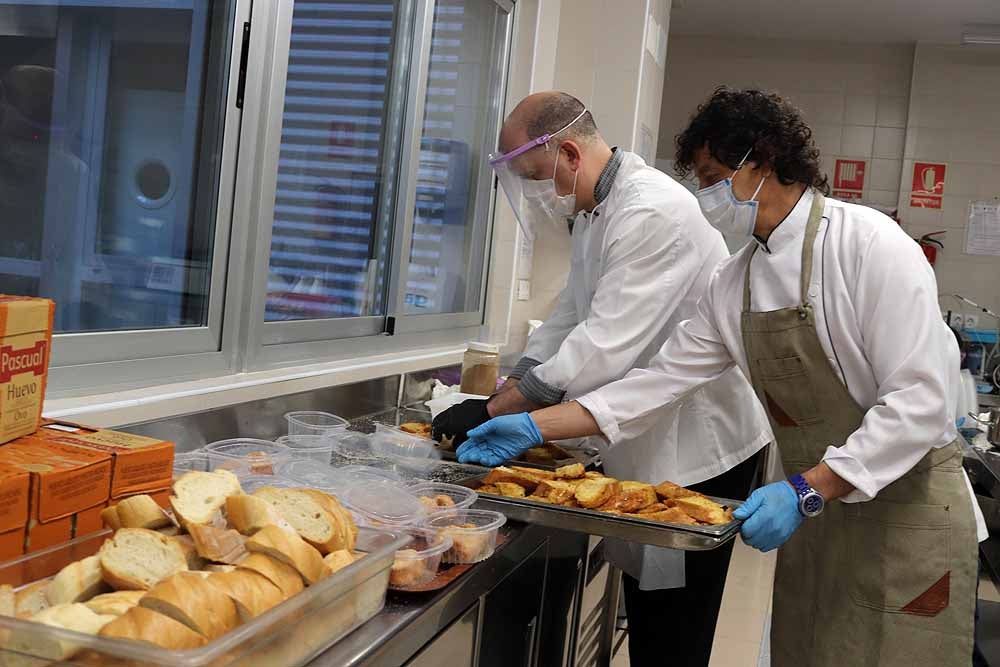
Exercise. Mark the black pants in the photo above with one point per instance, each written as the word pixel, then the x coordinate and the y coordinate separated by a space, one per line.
pixel 674 627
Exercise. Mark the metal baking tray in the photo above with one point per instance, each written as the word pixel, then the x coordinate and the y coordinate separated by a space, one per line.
pixel 589 457
pixel 289 635
pixel 577 519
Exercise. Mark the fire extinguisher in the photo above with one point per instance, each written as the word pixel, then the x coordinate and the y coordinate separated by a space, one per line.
pixel 930 245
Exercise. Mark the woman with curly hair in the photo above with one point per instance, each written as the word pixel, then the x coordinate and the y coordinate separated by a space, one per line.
pixel 831 311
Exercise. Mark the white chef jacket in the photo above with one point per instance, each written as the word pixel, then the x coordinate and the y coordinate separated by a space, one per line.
pixel 878 320
pixel 640 263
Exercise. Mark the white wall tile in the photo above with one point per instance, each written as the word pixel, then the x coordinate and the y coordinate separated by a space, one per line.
pixel 884 174
pixel 884 197
pixel 827 138
pixel 857 140
pixel 889 142
pixel 860 109
pixel 930 144
pixel 892 111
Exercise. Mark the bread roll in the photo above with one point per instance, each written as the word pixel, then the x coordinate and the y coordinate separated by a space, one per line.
pixel 289 549
pixel 141 512
pixel 109 515
pixel 138 558
pixel 282 575
pixel 219 545
pixel 8 604
pixel 114 604
pixel 145 625
pixel 77 582
pixel 252 593
pixel 31 599
pixel 189 599
pixel 248 514
pixel 198 496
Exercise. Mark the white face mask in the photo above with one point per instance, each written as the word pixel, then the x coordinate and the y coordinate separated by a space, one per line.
pixel 546 200
pixel 724 211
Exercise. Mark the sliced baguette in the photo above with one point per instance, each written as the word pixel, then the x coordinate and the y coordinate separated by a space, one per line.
pixel 31 599
pixel 146 625
pixel 502 474
pixel 338 560
pixel 198 496
pixel 704 510
pixel 308 515
pixel 73 616
pixel 141 512
pixel 345 521
pixel 114 604
pixel 219 545
pixel 188 598
pixel 248 514
pixel 291 550
pixel 194 560
pixel 109 515
pixel 138 559
pixel 8 601
pixel 78 581
pixel 282 575
pixel 221 567
pixel 252 593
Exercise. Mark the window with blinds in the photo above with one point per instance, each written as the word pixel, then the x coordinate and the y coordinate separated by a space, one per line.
pixel 325 247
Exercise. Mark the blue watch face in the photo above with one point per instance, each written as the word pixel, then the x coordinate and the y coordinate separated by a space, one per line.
pixel 812 504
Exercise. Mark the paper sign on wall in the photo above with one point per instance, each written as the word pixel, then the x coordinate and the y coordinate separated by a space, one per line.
pixel 928 184
pixel 983 234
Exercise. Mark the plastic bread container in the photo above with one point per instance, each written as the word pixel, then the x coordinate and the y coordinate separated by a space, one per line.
pixel 436 495
pixel 289 635
pixel 473 532
pixel 317 448
pixel 418 563
pixel 390 441
pixel 313 422
pixel 247 456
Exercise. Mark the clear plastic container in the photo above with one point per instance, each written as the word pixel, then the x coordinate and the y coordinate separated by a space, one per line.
pixel 369 474
pixel 313 447
pixel 313 422
pixel 289 635
pixel 353 446
pixel 383 503
pixel 247 456
pixel 250 483
pixel 438 496
pixel 474 533
pixel 315 475
pixel 418 563
pixel 390 441
pixel 188 461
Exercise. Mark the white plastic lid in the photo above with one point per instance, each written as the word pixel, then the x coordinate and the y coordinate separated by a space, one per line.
pixel 483 347
pixel 383 502
pixel 315 475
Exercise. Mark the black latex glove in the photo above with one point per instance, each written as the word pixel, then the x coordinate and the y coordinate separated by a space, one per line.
pixel 456 421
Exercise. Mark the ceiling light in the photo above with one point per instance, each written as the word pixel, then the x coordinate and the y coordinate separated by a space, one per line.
pixel 981 33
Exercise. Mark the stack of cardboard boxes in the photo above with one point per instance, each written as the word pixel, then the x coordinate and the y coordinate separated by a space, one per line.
pixel 56 477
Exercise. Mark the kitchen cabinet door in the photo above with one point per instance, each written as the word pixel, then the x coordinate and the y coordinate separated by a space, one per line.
pixel 512 614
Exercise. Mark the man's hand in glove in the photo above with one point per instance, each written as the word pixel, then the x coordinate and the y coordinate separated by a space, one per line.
pixel 454 423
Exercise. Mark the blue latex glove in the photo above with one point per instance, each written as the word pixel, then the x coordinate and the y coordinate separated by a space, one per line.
pixel 770 516
pixel 500 439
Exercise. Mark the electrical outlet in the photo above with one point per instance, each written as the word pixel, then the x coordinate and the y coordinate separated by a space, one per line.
pixel 957 320
pixel 971 322
pixel 523 290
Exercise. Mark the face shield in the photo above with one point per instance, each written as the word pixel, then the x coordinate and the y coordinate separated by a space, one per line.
pixel 536 202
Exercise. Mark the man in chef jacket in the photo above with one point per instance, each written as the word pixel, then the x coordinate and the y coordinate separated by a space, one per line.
pixel 642 257
pixel 832 312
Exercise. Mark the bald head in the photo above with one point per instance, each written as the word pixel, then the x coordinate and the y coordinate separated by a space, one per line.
pixel 547 113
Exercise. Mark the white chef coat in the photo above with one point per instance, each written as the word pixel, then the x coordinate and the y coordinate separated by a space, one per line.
pixel 878 320
pixel 640 263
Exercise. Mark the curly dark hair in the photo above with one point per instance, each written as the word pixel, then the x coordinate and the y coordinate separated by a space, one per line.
pixel 734 121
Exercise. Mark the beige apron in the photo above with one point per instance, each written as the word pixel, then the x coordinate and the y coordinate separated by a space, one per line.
pixel 886 582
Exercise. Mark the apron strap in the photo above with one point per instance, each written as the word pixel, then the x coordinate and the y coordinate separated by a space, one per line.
pixel 812 229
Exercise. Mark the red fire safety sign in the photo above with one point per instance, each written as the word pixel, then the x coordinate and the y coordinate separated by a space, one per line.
pixel 849 175
pixel 928 184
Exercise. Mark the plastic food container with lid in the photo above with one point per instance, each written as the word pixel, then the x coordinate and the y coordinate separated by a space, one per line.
pixel 391 441
pixel 312 447
pixel 251 483
pixel 247 456
pixel 473 533
pixel 437 496
pixel 368 474
pixel 353 446
pixel 418 563
pixel 313 422
pixel 315 475
pixel 383 503
pixel 188 461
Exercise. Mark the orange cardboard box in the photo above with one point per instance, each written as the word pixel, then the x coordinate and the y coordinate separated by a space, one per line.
pixel 65 480
pixel 25 346
pixel 15 487
pixel 140 465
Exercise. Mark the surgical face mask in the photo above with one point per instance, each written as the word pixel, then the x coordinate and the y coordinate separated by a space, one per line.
pixel 724 211
pixel 544 196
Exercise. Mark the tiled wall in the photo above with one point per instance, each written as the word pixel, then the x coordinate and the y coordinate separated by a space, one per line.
pixel 855 96
pixel 955 118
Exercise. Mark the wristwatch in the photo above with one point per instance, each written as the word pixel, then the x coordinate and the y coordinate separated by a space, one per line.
pixel 811 503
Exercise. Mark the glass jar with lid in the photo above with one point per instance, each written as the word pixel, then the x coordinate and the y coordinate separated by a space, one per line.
pixel 480 369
